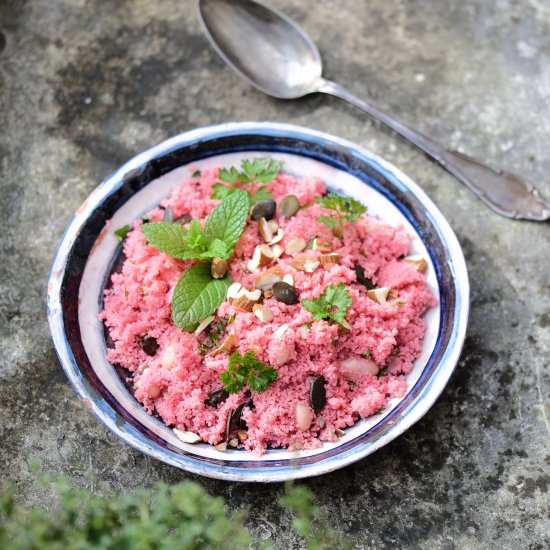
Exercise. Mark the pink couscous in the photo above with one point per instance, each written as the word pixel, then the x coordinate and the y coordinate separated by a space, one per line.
pixel 356 365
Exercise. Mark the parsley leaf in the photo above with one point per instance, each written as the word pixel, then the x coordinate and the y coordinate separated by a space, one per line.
pixel 343 209
pixel 332 304
pixel 122 232
pixel 262 170
pixel 247 369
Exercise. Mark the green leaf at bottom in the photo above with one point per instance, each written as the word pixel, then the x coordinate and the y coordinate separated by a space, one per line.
pixel 197 295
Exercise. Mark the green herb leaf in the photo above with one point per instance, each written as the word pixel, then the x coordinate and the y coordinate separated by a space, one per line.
pixel 247 369
pixel 216 249
pixel 197 295
pixel 332 304
pixel 344 209
pixel 167 237
pixel 221 191
pixel 261 194
pixel 260 170
pixel 226 221
pixel 196 174
pixel 230 176
pixel 122 232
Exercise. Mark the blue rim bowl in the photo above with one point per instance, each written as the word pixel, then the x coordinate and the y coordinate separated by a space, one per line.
pixel 119 411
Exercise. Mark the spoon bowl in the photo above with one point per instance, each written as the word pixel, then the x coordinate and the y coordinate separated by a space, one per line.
pixel 238 27
pixel 276 56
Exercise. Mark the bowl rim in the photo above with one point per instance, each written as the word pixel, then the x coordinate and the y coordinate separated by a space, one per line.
pixel 272 473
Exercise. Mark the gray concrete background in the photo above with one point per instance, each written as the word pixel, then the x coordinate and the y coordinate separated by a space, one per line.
pixel 84 85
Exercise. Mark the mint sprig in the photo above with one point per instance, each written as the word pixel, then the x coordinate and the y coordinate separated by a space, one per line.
pixel 343 209
pixel 331 304
pixel 197 295
pixel 247 369
pixel 262 170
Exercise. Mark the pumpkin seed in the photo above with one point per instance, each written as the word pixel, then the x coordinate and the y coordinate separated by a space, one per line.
pixel 168 215
pixel 149 345
pixel 264 209
pixel 318 393
pixel 362 278
pixel 285 293
pixel 216 397
pixel 289 206
pixel 184 219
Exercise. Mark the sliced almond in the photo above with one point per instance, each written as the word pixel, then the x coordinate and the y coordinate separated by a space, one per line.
pixel 278 237
pixel 203 324
pixel 322 245
pixel 393 293
pixel 418 261
pixel 233 442
pixel 264 230
pixel 168 358
pixel 295 245
pixel 268 278
pixel 187 437
pixel 263 312
pixel 379 295
pixel 221 446
pixel 288 279
pixel 280 330
pixel 305 263
pixel 328 260
pixel 339 433
pixel 227 346
pixel 242 435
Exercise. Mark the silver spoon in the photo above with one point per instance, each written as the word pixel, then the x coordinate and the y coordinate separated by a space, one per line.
pixel 276 56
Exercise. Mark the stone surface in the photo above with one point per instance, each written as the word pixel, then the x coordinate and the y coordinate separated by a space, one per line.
pixel 84 85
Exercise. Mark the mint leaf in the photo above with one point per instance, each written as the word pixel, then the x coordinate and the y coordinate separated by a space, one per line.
pixel 122 232
pixel 331 304
pixel 247 369
pixel 226 221
pixel 167 237
pixel 217 249
pixel 197 295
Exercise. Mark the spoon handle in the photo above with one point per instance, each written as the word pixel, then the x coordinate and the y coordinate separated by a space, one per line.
pixel 503 192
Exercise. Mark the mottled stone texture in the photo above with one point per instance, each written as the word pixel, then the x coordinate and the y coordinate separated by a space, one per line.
pixel 84 85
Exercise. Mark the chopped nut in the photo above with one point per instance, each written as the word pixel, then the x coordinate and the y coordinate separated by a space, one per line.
pixel 288 279
pixel 153 392
pixel 393 293
pixel 322 245
pixel 268 278
pixel 234 290
pixel 227 346
pixel 233 442
pixel 304 415
pixel 187 437
pixel 242 435
pixel 339 433
pixel 278 237
pixel 263 255
pixel 344 327
pixel 277 251
pixel 263 312
pixel 295 245
pixel 246 300
pixel 268 294
pixel 168 358
pixel 221 446
pixel 418 261
pixel 305 263
pixel 355 367
pixel 265 230
pixel 328 260
pixel 203 324
pixel 379 294
pixel 273 225
pixel 218 268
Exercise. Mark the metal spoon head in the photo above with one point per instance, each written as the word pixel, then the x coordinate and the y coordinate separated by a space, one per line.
pixel 264 46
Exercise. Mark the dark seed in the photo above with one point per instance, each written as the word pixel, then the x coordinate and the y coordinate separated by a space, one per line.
pixel 362 278
pixel 285 293
pixel 264 209
pixel 168 215
pixel 289 206
pixel 318 393
pixel 186 218
pixel 149 345
pixel 234 418
pixel 216 397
